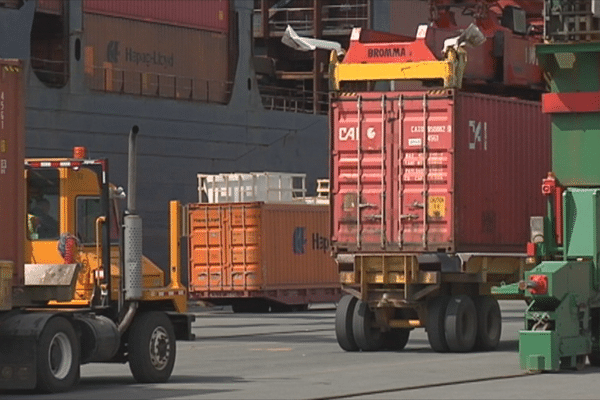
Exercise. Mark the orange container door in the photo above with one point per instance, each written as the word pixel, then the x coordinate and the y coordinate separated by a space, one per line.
pixel 223 247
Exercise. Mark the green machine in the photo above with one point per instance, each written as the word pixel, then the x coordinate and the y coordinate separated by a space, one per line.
pixel 562 321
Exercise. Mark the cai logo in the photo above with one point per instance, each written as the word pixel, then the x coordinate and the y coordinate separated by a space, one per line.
pixel 112 51
pixel 299 240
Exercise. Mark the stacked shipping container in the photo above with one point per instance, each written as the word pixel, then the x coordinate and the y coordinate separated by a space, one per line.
pixel 211 15
pixel 176 48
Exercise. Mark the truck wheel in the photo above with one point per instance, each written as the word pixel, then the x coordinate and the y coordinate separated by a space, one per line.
pixel 151 346
pixel 59 356
pixel 343 323
pixel 461 324
pixel 436 314
pixel 489 323
pixel 367 334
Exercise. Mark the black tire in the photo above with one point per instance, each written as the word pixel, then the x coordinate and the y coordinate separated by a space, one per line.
pixel 59 357
pixel 367 335
pixel 489 323
pixel 151 347
pixel 436 314
pixel 343 323
pixel 461 324
pixel 396 338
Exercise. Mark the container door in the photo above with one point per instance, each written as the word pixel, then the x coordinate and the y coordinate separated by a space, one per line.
pixel 244 247
pixel 208 248
pixel 423 205
pixel 361 174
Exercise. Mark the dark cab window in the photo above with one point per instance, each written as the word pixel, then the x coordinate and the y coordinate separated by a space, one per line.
pixel 88 211
pixel 43 208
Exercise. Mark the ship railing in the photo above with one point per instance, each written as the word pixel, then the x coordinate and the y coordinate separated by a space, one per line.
pixel 334 17
pixel 294 100
pixel 152 84
pixel 53 73
pixel 571 21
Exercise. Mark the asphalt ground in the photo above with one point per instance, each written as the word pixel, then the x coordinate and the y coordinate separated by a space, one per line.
pixel 296 356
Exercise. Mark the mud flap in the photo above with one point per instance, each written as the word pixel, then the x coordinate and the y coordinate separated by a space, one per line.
pixel 182 323
pixel 18 344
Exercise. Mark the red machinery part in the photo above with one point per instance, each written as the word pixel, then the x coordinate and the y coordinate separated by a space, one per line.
pixel 531 249
pixel 550 187
pixel 539 284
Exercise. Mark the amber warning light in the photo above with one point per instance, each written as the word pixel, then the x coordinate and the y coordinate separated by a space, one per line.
pixel 79 152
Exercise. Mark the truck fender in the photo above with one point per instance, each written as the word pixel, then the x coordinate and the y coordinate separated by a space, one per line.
pixel 19 334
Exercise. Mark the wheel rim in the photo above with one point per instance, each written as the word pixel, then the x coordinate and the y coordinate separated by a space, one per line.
pixel 60 356
pixel 160 348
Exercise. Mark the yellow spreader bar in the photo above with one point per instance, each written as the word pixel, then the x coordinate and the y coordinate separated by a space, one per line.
pixel 449 70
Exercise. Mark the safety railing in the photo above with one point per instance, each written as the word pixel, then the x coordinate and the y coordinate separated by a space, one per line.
pixel 334 17
pixel 109 79
pixel 571 20
pixel 293 100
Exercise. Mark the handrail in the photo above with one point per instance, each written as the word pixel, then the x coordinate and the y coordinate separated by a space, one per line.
pixel 294 100
pixel 340 16
pixel 152 84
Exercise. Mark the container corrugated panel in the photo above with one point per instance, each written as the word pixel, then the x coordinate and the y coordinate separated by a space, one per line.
pixel 198 14
pixel 12 136
pixel 485 159
pixel 259 246
pixel 141 58
pixel 50 6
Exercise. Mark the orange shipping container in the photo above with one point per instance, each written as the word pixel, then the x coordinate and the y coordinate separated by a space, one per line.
pixel 273 252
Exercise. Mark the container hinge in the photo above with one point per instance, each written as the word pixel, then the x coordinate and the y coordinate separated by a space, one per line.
pixel 409 216
pixel 366 205
pixel 416 204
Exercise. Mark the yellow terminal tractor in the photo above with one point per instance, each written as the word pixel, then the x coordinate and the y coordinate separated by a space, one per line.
pixel 75 287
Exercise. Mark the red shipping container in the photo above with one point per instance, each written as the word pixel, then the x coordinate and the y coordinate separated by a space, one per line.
pixel 485 157
pixel 12 147
pixel 275 251
pixel 212 15
pixel 50 6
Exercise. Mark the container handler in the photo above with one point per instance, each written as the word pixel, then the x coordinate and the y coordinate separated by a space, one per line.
pixel 74 286
pixel 420 244
pixel 562 321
